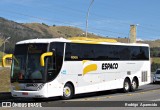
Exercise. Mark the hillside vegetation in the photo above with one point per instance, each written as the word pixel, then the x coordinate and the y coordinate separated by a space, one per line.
pixel 55 31
pixel 17 32
pixel 5 80
pixel 156 60
pixel 1 40
pixel 152 44
pixel 21 31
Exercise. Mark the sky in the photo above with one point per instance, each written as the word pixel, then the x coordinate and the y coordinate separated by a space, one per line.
pixel 106 17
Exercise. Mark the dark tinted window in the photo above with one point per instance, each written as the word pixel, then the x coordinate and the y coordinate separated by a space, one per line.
pixel 124 52
pixel 139 53
pixel 26 63
pixel 105 52
pixel 23 49
pixel 55 62
pixel 73 52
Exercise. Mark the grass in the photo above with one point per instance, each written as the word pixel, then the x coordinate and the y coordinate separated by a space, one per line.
pixel 156 60
pixel 4 79
pixel 1 58
pixel 1 54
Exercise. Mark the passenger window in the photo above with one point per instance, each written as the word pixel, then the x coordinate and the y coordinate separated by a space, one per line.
pixel 88 52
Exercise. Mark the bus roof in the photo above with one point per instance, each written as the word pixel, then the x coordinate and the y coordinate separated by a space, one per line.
pixel 43 40
pixel 77 41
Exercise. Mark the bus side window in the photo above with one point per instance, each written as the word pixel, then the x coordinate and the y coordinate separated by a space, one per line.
pixel 88 52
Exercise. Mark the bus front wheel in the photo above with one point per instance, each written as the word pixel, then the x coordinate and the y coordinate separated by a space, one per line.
pixel 67 92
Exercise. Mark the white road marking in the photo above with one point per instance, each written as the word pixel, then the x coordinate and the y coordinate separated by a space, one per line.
pixel 155 100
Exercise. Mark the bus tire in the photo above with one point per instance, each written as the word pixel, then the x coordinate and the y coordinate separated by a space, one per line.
pixel 126 86
pixel 134 85
pixel 67 92
pixel 154 82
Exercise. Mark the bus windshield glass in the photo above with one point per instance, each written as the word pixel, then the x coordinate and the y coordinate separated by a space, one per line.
pixel 26 63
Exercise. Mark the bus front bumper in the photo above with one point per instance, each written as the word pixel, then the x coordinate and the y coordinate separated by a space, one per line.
pixel 30 94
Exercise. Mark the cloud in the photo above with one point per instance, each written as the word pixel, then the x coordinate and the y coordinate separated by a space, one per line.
pixel 139 39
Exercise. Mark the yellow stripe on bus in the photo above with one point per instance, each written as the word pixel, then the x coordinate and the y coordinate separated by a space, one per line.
pixel 85 42
pixel 91 40
pixel 89 68
pixel 84 61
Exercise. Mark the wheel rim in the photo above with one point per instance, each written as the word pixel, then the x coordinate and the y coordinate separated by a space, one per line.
pixel 154 80
pixel 126 86
pixel 67 92
pixel 134 84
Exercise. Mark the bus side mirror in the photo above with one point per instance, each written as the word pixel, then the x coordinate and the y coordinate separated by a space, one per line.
pixel 4 59
pixel 47 54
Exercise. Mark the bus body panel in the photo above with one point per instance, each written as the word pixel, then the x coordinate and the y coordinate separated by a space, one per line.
pixel 90 75
pixel 107 79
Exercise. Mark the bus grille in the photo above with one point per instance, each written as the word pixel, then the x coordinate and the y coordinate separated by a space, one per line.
pixel 144 76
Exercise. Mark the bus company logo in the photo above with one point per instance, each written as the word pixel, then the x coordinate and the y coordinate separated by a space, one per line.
pixel 108 66
pixel 88 67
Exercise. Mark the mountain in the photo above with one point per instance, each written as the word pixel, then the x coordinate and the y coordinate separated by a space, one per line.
pixel 17 32
pixel 54 31
pixel 22 31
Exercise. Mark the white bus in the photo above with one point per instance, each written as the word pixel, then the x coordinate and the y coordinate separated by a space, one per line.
pixel 43 68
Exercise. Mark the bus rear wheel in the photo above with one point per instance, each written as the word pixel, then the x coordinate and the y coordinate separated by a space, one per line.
pixel 134 85
pixel 67 92
pixel 126 86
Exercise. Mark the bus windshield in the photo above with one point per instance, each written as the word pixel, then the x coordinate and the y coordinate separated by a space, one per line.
pixel 26 63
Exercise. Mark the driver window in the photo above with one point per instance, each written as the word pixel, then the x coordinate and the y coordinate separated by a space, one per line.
pixel 51 64
pixel 55 62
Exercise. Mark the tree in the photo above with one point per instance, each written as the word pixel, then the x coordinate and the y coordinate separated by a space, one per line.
pixel 154 66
